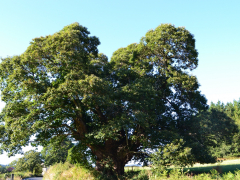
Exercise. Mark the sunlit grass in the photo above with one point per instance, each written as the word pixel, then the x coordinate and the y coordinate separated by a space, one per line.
pixel 17 175
pixel 65 171
pixel 226 162
pixel 222 171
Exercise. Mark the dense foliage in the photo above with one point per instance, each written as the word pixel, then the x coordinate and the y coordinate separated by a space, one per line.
pixel 56 152
pixel 224 127
pixel 31 161
pixel 173 154
pixel 80 155
pixel 3 169
pixel 211 134
pixel 61 87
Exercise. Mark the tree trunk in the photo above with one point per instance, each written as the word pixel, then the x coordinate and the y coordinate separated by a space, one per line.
pixel 99 165
pixel 110 166
pixel 119 167
pixel 104 165
pixel 112 158
pixel 110 163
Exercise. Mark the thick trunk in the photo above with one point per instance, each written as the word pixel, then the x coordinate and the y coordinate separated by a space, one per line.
pixel 110 162
pixel 119 167
pixel 110 166
pixel 99 166
pixel 112 157
pixel 105 166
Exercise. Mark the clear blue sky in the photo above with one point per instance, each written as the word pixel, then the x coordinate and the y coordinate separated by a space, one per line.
pixel 214 23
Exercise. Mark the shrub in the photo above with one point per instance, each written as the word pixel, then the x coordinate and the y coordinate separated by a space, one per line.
pixel 65 171
pixel 171 154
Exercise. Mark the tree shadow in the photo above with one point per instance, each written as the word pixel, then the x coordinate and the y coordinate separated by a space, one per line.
pixel 128 175
pixel 220 168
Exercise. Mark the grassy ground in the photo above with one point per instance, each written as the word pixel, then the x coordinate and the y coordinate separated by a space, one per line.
pixel 222 170
pixel 136 168
pixel 18 175
pixel 221 167
pixel 226 170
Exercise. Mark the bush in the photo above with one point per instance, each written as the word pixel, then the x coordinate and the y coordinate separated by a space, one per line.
pixel 65 171
pixel 171 154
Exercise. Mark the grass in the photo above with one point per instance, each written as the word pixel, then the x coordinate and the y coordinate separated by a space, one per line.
pixel 135 168
pixel 223 167
pixel 17 175
pixel 226 170
pixel 65 171
pixel 223 170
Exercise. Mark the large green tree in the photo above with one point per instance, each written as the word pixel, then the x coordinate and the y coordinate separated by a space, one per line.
pixel 222 123
pixel 215 130
pixel 31 161
pixel 62 87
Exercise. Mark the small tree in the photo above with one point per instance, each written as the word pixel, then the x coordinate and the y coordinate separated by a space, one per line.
pixel 3 169
pixel 172 154
pixel 31 161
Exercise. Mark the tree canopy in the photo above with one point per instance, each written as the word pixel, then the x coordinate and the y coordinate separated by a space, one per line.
pixel 61 86
pixel 222 125
pixel 31 161
pixel 56 152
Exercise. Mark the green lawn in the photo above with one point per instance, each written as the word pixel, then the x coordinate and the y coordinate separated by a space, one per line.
pixel 223 167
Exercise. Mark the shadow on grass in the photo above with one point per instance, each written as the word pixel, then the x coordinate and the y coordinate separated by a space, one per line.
pixel 220 168
pixel 129 175
pixel 134 175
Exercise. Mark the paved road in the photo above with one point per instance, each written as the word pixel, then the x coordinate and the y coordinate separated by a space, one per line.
pixel 34 178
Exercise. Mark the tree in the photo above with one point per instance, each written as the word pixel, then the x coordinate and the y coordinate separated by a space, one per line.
pixel 216 130
pixel 229 145
pixel 62 87
pixel 233 111
pixel 13 164
pixel 171 154
pixel 56 152
pixel 3 169
pixel 31 161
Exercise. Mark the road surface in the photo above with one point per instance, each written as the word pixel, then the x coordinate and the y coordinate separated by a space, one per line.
pixel 34 178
